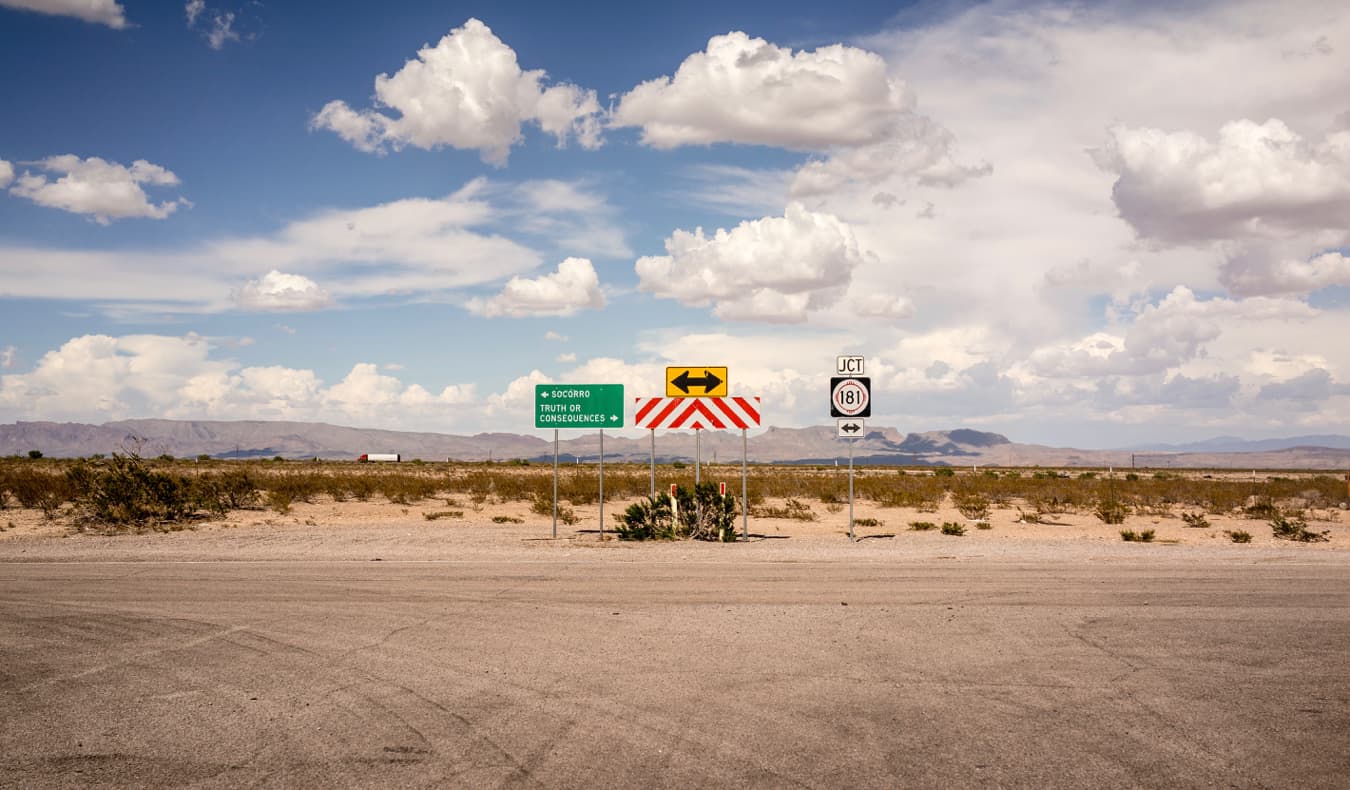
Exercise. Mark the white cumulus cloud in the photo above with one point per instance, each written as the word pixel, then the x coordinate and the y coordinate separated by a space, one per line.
pixel 279 292
pixel 105 190
pixel 6 173
pixel 573 287
pixel 838 100
pixel 96 378
pixel 466 92
pixel 1163 336
pixel 772 269
pixel 1261 180
pixel 747 90
pixel 1270 275
pixel 102 12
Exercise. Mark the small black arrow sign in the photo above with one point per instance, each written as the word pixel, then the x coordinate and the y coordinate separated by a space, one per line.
pixel 851 427
pixel 709 381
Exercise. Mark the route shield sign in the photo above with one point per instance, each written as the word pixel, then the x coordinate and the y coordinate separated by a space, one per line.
pixel 578 405
pixel 850 396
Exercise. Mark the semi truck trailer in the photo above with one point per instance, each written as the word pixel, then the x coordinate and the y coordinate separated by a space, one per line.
pixel 390 457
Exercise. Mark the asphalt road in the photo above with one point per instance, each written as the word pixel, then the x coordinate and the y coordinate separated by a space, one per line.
pixel 646 675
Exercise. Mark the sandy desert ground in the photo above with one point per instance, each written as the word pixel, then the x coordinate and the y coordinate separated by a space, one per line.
pixel 377 530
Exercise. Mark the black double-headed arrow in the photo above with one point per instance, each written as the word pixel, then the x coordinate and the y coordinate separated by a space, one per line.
pixel 709 381
pixel 851 427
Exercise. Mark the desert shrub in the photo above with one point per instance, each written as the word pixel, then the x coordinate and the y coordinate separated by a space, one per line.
pixel 543 505
pixel 704 514
pixel 1110 511
pixel 1130 536
pixel 1196 520
pixel 407 490
pixel 649 519
pixel 507 520
pixel 34 454
pixel 1296 529
pixel 1030 518
pixel 707 515
pixel 984 525
pixel 922 526
pixel 125 491
pixel 974 506
pixel 1238 536
pixel 952 528
pixel 232 490
pixel 284 490
pixel 868 522
pixel 38 490
pixel 944 471
pixel 1262 507
pixel 280 500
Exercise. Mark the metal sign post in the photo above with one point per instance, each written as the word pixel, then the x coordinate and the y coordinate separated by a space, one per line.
pixel 745 506
pixel 850 491
pixel 602 484
pixel 555 483
pixel 698 456
pixel 578 406
pixel 653 484
pixel 850 398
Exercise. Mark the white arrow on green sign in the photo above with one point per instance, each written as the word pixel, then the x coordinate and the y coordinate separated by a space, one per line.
pixel 578 406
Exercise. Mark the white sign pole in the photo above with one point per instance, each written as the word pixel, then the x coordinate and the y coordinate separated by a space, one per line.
pixel 653 494
pixel 745 503
pixel 602 485
pixel 850 490
pixel 555 483
pixel 698 454
pixel 698 458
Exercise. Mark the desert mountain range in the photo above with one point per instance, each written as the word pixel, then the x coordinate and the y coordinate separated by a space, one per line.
pixel 816 444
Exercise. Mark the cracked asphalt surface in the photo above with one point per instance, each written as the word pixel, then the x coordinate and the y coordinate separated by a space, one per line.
pixel 592 672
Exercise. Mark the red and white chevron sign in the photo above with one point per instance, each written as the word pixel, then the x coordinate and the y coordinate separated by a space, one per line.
pixel 697 413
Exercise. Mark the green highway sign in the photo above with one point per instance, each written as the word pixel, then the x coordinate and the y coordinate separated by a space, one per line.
pixel 578 406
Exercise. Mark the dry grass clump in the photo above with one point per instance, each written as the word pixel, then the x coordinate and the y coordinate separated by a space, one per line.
pixel 434 515
pixel 1130 536
pixel 793 509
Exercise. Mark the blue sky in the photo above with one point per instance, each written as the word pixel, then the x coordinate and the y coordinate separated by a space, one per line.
pixel 1089 226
